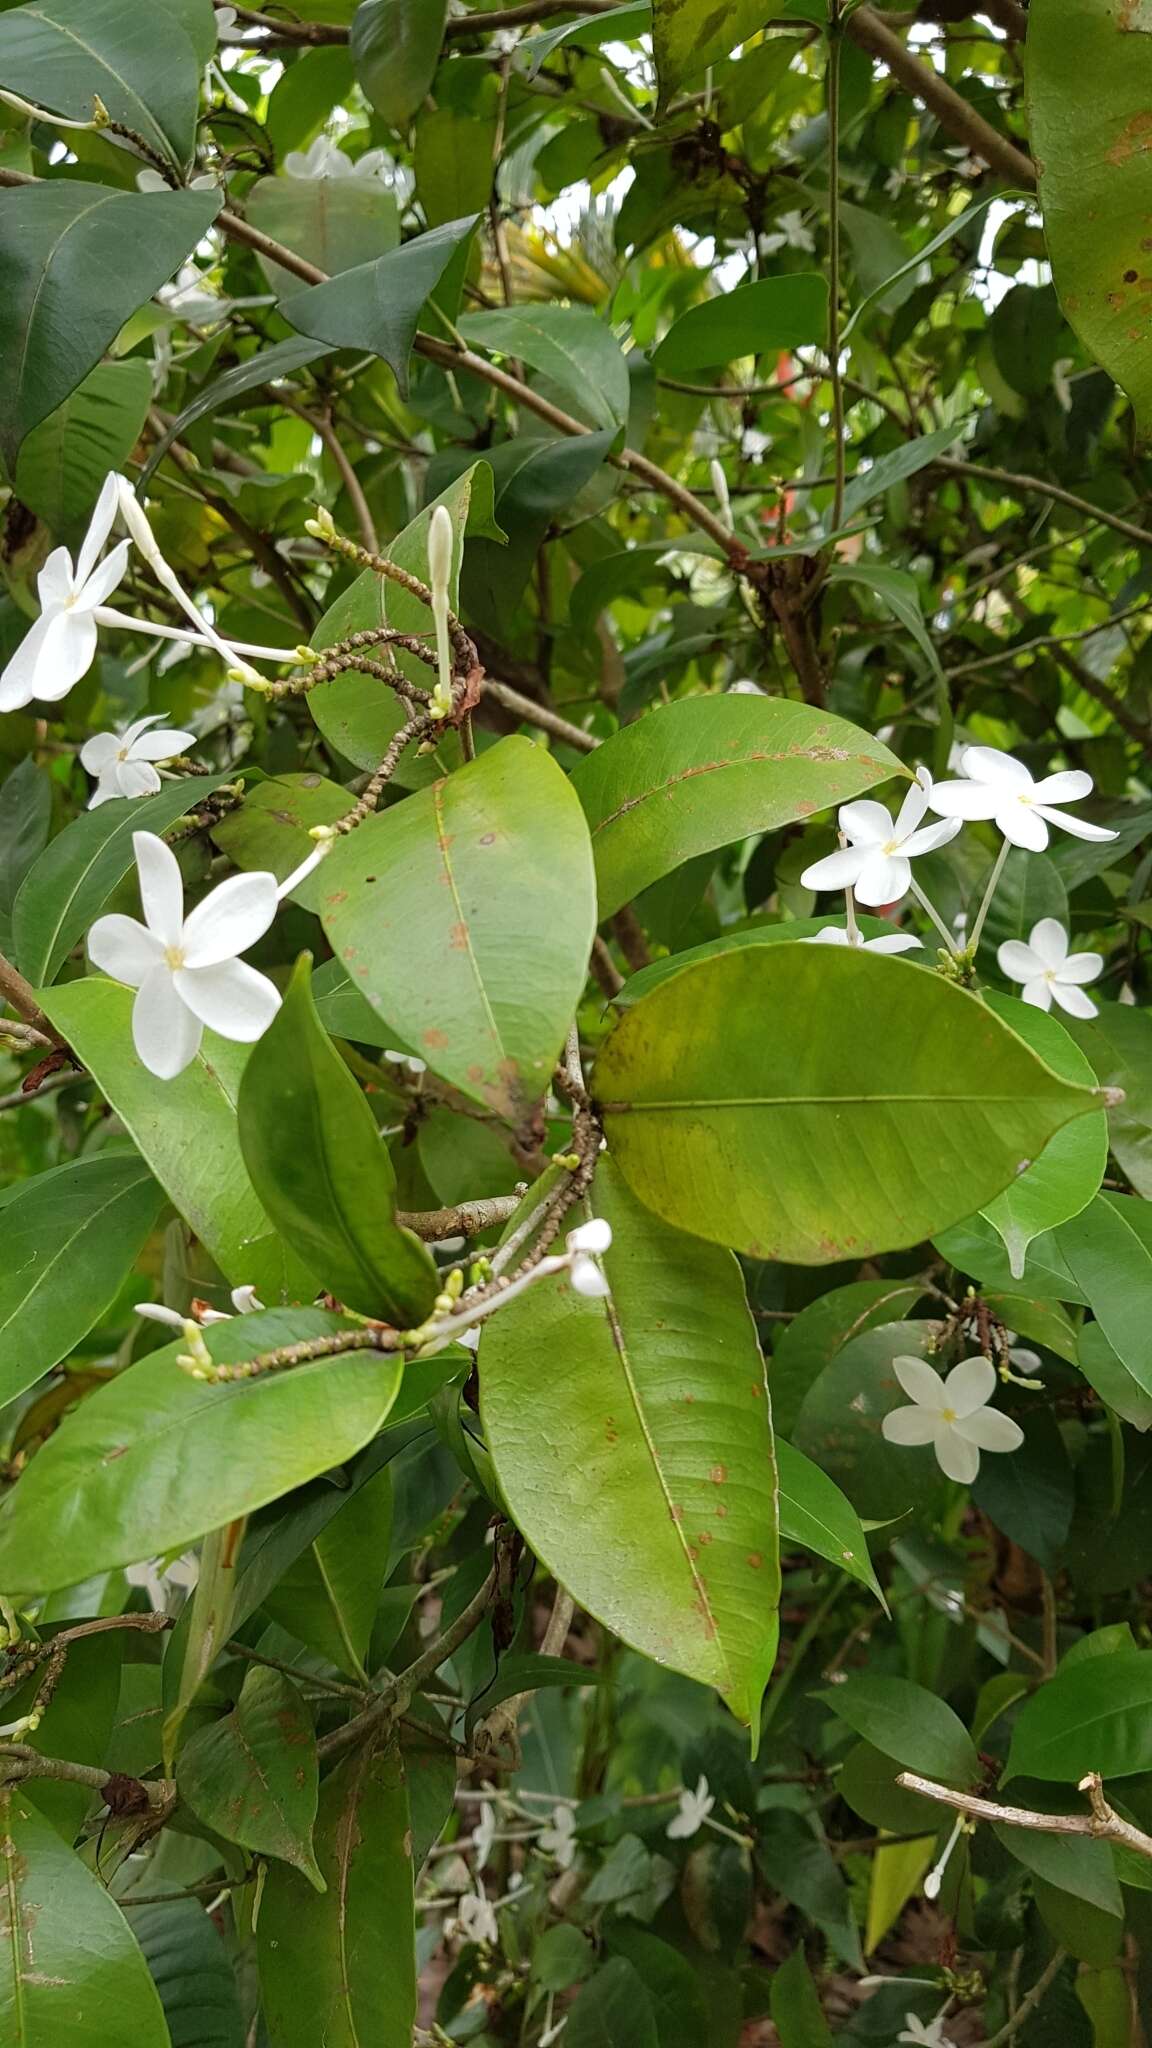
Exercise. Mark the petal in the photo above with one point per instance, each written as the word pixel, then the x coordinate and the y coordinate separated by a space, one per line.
pixel 909 1426
pixel 969 1385
pixel 911 811
pixel 957 1458
pixel 920 1381
pixel 898 942
pixel 161 887
pixel 155 1312
pixel 98 753
pixel 161 746
pixel 132 732
pixel 104 578
pixel 230 919
pixel 1038 993
pixel 835 871
pixel 884 878
pixel 56 582
pixel 965 800
pixel 99 527
pixel 104 792
pixel 124 948
pixel 988 764
pixel 991 1431
pixel 832 935
pixel 931 837
pixel 1022 825
pixel 1073 1000
pixel 49 660
pixel 136 778
pixel 1018 961
pixel 1078 827
pixel 866 824
pixel 1081 967
pixel 1049 941
pixel 1067 787
pixel 231 998
pixel 165 1033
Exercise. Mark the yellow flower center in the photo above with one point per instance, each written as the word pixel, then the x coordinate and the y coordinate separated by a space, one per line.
pixel 174 957
pixel 948 1415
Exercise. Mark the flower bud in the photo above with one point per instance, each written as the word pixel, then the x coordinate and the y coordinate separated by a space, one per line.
pixel 594 1236
pixel 587 1279
pixel 440 544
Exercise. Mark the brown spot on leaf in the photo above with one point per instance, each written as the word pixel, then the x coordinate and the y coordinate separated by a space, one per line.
pixel 718 1474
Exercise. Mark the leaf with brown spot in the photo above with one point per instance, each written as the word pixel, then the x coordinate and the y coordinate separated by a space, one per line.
pixel 252 1776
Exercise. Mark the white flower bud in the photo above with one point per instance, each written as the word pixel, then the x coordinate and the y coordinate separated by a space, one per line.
pixel 587 1279
pixel 594 1236
pixel 440 544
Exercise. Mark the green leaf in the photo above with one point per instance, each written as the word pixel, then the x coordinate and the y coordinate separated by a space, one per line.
pixel 974 1248
pixel 815 1513
pixel 688 35
pixel 1109 1250
pixel 395 49
pixel 64 54
pixel 339 1966
pixel 616 24
pixel 787 931
pixel 613 2010
pixel 899 593
pixel 757 319
pixel 676 1991
pixel 1030 1495
pixel 1092 1716
pixel 192 1972
pixel 840 1422
pixel 328 1598
pixel 75 875
pixel 571 346
pixel 812 1340
pixel 322 1171
pixel 185 1129
pixel 452 157
pixel 799 1864
pixel 792 1142
pixel 1068 1172
pixel 25 821
pixel 797 2014
pixel 1118 1041
pixel 155 1459
pixel 529 1673
pixel 357 713
pixel 71 1238
pixel 908 1723
pixel 79 1725
pixel 64 461
pixel 1082 1868
pixel 1108 1374
pixel 1029 888
pixel 705 771
pixel 539 478
pixel 894 468
pixel 457 932
pixel 77 260
pixel 640 1466
pixel 1089 53
pixel 334 223
pixel 377 306
pixel 265 367
pixel 271 829
pixel 253 1776
pixel 71 1974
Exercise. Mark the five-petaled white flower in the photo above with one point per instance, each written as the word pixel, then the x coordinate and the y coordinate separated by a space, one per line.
pixel 791 234
pixel 691 1813
pixel 888 942
pixel 475 1919
pixel 876 863
pixel 558 1839
pixel 62 644
pixel 1049 972
pixel 586 1243
pixel 999 787
pixel 123 762
pixel 924 2034
pixel 952 1415
pixel 186 969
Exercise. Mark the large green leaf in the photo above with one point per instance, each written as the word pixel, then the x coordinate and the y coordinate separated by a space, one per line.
pixel 395 47
pixel 322 1171
pixel 705 771
pixel 77 260
pixel 1093 180
pixel 457 931
pixel 71 1975
pixel 613 2010
pixel 1118 1041
pixel 329 1596
pixel 1108 1248
pixel 186 1130
pixel 772 1099
pixel 334 223
pixel 192 1971
pixel 64 53
pixel 64 461
pixel 339 1967
pixel 909 1723
pixel 688 35
pixel 75 875
pixel 571 346
pixel 785 932
pixel 358 714
pixel 1068 1172
pixel 252 1776
pixel 761 318
pixel 377 305
pixel 1094 1715
pixel 840 1424
pixel 640 1464
pixel 156 1458
pixel 71 1238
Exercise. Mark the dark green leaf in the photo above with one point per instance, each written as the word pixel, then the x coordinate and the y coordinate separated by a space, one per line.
pixel 758 319
pixel 252 1776
pixel 613 2010
pixel 395 47
pixel 1109 1250
pixel 797 2014
pixel 1093 1716
pixel 909 1723
pixel 688 35
pixel 192 1972
pixel 265 367
pixel 571 346
pixel 25 821
pixel 64 461
pixel 814 1512
pixel 329 1596
pixel 64 54
pixel 377 305
pixel 822 1329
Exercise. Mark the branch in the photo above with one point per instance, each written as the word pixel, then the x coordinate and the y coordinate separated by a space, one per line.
pixel 951 110
pixel 398 1692
pixel 539 715
pixel 467 1219
pixel 1014 480
pixel 1103 1824
pixel 313 33
pixel 322 424
pixel 21 997
pixel 1029 2002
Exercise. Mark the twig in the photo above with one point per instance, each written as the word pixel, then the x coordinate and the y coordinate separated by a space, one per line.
pixel 539 715
pixel 954 113
pixel 322 424
pixel 20 1096
pixel 467 1219
pixel 1015 480
pixel 1103 1824
pixel 21 997
pixel 835 52
pixel 398 1693
pixel 1029 2002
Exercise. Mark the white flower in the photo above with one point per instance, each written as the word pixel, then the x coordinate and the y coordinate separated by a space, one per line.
pixel 691 1813
pixel 876 863
pixel 405 1059
pixel 149 180
pixel 245 1301
pixel 952 1415
pixel 62 644
pixel 227 29
pixel 325 159
pixel 1049 972
pixel 475 1919
pixel 186 968
pixel 585 1245
pixel 923 2034
pixel 484 1833
pixel 1001 788
pixel 888 942
pixel 558 1839
pixel 122 762
pixel 745 687
pixel 792 234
